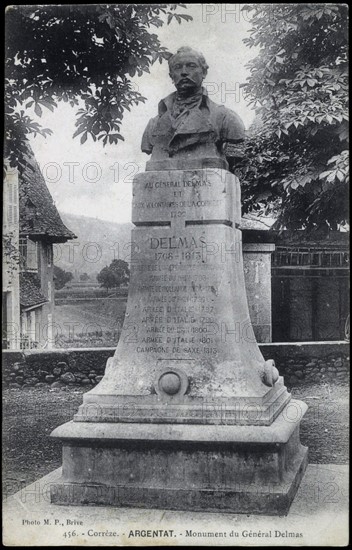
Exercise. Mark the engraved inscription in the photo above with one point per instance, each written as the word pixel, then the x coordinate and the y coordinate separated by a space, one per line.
pixel 178 311
pixel 194 196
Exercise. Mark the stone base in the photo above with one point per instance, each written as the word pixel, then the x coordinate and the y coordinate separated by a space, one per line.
pixel 238 469
pixel 163 409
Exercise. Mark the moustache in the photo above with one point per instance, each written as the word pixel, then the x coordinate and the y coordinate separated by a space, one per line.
pixel 186 79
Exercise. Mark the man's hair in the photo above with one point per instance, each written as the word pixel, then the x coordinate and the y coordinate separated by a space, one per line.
pixel 187 49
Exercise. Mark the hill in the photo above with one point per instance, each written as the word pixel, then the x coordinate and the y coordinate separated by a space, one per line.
pixel 98 243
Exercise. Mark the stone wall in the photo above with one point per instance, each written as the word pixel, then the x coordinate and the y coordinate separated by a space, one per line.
pixel 56 368
pixel 310 362
pixel 298 362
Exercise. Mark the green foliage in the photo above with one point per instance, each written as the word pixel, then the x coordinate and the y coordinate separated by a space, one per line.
pixel 84 277
pixel 81 54
pixel 296 165
pixel 61 277
pixel 114 275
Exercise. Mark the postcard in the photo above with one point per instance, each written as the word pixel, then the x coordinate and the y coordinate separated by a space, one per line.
pixel 176 275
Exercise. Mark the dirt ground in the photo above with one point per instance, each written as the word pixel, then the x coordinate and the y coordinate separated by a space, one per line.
pixel 29 416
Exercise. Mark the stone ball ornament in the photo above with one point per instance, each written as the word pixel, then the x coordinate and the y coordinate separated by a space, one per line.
pixel 172 383
pixel 271 374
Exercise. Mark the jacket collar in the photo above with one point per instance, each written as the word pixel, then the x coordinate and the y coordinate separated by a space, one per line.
pixel 166 103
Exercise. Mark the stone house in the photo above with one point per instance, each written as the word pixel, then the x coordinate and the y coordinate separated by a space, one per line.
pixel 39 227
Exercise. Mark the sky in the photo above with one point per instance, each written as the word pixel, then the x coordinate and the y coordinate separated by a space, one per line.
pixel 96 181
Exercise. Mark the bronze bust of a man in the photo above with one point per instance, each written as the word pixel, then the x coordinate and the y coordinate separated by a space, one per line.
pixel 190 129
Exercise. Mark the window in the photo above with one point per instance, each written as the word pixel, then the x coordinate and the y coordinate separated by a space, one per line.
pixel 12 203
pixel 28 255
pixel 29 330
pixel 50 254
pixel 5 305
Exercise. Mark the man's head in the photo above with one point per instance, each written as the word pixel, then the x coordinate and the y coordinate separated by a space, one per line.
pixel 187 69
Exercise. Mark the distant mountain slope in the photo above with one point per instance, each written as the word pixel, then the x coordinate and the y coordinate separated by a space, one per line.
pixel 98 243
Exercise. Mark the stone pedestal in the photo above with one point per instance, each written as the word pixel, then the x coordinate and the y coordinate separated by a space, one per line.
pixel 257 275
pixel 188 408
pixel 229 468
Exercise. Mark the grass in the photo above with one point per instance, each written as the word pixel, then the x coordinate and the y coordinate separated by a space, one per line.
pixel 96 322
pixel 31 414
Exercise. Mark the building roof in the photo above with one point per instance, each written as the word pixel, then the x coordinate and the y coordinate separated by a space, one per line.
pixel 258 223
pixel 30 294
pixel 38 215
pixel 318 239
